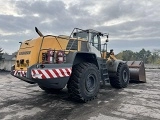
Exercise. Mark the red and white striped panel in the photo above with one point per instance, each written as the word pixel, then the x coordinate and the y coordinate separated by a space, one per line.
pixel 20 73
pixel 51 73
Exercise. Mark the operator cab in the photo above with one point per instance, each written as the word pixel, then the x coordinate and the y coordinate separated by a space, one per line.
pixel 92 36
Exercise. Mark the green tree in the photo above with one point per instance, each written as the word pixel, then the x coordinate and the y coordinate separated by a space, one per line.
pixel 127 55
pixel 119 55
pixel 155 56
pixel 144 55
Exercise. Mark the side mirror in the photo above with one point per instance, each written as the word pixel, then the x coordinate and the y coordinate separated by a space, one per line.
pixel 107 39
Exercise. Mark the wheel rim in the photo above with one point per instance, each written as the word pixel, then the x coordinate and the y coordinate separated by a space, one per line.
pixel 90 82
pixel 125 76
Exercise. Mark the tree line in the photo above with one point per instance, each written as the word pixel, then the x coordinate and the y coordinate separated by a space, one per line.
pixel 149 57
pixel 4 53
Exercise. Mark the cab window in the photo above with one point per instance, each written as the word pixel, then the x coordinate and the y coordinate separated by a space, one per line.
pixel 96 42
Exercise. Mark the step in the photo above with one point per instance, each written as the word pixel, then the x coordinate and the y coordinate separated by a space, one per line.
pixel 104 64
pixel 107 80
pixel 104 60
pixel 105 73
pixel 104 68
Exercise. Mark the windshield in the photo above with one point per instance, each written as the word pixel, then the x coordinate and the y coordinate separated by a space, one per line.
pixel 81 35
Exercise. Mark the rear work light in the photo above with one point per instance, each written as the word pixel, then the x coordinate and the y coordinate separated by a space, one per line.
pixel 27 62
pixel 61 57
pixel 21 61
pixel 52 56
pixel 49 56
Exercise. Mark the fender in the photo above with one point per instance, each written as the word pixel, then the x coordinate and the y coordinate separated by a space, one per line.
pixel 78 57
pixel 113 65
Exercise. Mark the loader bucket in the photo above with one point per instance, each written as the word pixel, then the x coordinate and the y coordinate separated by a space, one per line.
pixel 137 71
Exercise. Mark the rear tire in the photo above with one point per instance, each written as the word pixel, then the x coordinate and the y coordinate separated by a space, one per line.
pixel 122 77
pixel 50 90
pixel 84 82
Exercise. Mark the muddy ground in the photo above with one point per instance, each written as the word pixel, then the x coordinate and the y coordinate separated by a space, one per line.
pixel 23 101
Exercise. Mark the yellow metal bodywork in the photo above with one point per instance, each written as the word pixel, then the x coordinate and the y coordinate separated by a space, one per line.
pixel 32 49
pixel 29 50
pixel 107 56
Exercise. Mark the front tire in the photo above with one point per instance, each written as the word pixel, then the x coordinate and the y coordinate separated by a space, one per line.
pixel 84 82
pixel 122 77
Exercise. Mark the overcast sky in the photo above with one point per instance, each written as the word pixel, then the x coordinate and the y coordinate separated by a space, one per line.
pixel 131 24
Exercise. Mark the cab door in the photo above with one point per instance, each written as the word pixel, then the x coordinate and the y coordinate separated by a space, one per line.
pixel 95 44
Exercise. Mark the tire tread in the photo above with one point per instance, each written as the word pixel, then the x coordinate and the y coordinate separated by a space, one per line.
pixel 74 82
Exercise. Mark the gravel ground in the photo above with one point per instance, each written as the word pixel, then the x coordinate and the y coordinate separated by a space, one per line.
pixel 23 101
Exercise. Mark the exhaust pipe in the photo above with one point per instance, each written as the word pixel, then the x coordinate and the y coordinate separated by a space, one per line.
pixel 137 71
pixel 38 32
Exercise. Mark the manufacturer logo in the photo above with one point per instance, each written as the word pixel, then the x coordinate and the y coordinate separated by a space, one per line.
pixel 25 53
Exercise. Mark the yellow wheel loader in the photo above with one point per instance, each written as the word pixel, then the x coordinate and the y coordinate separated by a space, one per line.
pixel 79 61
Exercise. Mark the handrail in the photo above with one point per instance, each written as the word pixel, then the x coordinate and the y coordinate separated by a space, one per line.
pixel 104 45
pixel 42 43
pixel 75 39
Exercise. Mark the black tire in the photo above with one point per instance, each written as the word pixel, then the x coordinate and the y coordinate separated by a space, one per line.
pixel 84 82
pixel 122 77
pixel 50 90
